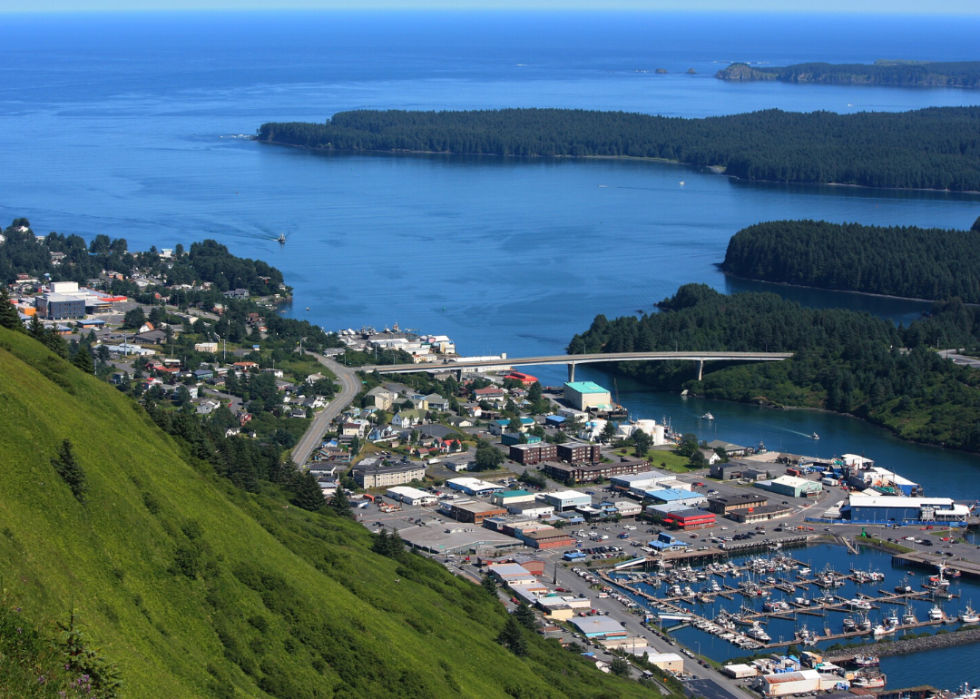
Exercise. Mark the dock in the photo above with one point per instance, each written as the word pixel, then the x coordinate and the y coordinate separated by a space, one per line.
pixel 933 560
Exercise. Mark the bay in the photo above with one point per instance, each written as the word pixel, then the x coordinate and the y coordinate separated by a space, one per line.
pixel 122 124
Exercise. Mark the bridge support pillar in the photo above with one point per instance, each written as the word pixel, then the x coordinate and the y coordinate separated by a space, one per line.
pixel 571 373
pixel 700 369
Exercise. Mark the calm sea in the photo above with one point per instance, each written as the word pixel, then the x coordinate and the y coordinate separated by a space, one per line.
pixel 124 125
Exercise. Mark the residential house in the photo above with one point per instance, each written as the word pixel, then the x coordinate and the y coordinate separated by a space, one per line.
pixel 408 418
pixel 437 403
pixel 460 422
pixel 490 393
pixel 207 407
pixel 382 398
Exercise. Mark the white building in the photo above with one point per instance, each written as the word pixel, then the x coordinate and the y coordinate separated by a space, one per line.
pixel 411 496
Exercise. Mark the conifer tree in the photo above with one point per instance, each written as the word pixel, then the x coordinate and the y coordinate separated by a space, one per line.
pixel 513 637
pixel 340 504
pixel 489 584
pixel 36 328
pixel 83 360
pixel 8 314
pixel 525 616
pixel 306 492
pixel 70 470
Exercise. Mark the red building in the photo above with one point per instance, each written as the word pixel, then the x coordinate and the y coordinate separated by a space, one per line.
pixel 546 539
pixel 530 454
pixel 525 379
pixel 690 519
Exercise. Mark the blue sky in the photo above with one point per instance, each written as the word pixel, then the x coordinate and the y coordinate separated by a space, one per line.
pixel 936 7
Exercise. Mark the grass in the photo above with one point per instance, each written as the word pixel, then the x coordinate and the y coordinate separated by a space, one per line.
pixel 667 460
pixel 198 589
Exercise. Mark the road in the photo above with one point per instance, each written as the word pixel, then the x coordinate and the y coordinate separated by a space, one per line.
pixel 350 386
pixel 960 358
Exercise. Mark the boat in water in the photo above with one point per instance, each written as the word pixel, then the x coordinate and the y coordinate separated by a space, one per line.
pixel 849 624
pixel 909 618
pixel 936 614
pixel 866 661
pixel 758 633
pixel 814 436
pixel 969 616
pixel 707 416
pixel 869 682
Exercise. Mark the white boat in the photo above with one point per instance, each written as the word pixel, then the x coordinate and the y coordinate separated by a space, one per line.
pixel 859 604
pixel 869 682
pixel 909 618
pixel 866 660
pixel 849 624
pixel 707 416
pixel 936 614
pixel 758 633
pixel 814 436
pixel 969 616
pixel 880 631
pixel 804 571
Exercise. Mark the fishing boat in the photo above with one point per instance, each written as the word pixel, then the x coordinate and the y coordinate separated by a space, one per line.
pixel 964 692
pixel 859 604
pixel 814 436
pixel 869 682
pixel 281 239
pixel 849 624
pixel 707 416
pixel 758 633
pixel 936 614
pixel 864 623
pixel 866 661
pixel 904 588
pixel 807 637
pixel 880 631
pixel 909 618
pixel 969 616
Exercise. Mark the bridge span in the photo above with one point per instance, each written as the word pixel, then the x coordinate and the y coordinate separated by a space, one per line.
pixel 572 360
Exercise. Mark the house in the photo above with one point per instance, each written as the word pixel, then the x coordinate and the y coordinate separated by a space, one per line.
pixel 203 374
pixel 460 422
pixel 729 448
pixel 236 294
pixel 381 398
pixel 354 428
pixel 490 393
pixel 436 402
pixel 207 407
pixel 408 418
pixel 275 372
pixel 710 456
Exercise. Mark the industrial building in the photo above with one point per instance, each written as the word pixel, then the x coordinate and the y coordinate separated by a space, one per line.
pixel 473 486
pixel 531 454
pixel 727 504
pixel 876 509
pixel 567 499
pixel 801 682
pixel 583 395
pixel 599 627
pixel 410 496
pixel 791 486
pixel 668 662
pixel 665 542
pixel 549 538
pixel 690 519
pixel 511 497
pixel 627 508
pixel 533 510
pixel 764 513
pixel 470 511
pixel 382 475
pixel 579 453
pixel 645 480
pixel 688 498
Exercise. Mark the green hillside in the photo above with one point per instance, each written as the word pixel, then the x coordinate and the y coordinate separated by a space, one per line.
pixel 195 588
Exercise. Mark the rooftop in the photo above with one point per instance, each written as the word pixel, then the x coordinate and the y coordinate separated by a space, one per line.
pixel 586 387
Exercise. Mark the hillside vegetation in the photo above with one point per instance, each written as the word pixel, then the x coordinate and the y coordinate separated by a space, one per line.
pixel 898 73
pixel 936 148
pixel 195 588
pixel 845 361
pixel 925 263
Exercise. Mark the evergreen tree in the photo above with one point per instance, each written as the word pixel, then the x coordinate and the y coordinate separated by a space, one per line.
pixel 83 360
pixel 608 432
pixel 489 584
pixel 36 328
pixel 70 470
pixel 512 637
pixel 525 616
pixel 620 667
pixel 306 492
pixel 340 504
pixel 976 225
pixel 8 314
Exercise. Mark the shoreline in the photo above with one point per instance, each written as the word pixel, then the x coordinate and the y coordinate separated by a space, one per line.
pixel 836 291
pixel 713 169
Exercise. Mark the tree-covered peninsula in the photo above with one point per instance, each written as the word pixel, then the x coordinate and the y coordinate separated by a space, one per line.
pixel 896 73
pixel 936 148
pixel 924 263
pixel 844 361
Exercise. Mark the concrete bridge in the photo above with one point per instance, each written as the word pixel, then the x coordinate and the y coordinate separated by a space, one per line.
pixel 572 360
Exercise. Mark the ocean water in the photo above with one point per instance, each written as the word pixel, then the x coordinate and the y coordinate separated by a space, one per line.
pixel 125 124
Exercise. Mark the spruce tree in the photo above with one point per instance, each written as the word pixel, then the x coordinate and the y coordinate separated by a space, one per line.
pixel 976 225
pixel 83 360
pixel 36 329
pixel 70 470
pixel 340 504
pixel 307 493
pixel 8 314
pixel 380 544
pixel 525 616
pixel 489 584
pixel 512 637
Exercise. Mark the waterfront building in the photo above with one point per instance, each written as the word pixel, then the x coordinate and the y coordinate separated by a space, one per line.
pixel 690 519
pixel 885 508
pixel 687 498
pixel 791 486
pixel 727 504
pixel 584 395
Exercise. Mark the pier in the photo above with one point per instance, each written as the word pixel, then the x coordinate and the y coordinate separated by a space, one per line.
pixel 934 560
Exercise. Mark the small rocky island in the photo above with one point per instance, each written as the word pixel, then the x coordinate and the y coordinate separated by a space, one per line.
pixel 895 73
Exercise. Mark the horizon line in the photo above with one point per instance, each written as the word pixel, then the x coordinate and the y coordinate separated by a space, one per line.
pixel 518 9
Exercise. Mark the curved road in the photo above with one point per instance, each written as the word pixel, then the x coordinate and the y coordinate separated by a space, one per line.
pixel 350 387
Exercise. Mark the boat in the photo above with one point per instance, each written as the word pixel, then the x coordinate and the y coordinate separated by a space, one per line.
pixel 869 682
pixel 849 624
pixel 758 633
pixel 880 631
pixel 969 616
pixel 892 619
pixel 909 618
pixel 859 604
pixel 803 572
pixel 281 239
pixel 814 436
pixel 707 416
pixel 964 692
pixel 936 614
pixel 866 661
pixel 807 637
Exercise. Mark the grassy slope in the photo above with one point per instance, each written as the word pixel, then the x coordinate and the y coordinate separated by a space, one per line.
pixel 300 608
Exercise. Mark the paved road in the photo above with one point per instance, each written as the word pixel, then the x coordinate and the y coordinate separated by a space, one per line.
pixel 960 358
pixel 350 386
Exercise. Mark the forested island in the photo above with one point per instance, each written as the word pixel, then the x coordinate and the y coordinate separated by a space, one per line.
pixel 897 73
pixel 935 148
pixel 845 361
pixel 922 263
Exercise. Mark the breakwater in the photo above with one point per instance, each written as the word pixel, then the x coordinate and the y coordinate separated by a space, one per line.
pixel 910 645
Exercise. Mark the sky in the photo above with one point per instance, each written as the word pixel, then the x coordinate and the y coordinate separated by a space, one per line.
pixel 935 7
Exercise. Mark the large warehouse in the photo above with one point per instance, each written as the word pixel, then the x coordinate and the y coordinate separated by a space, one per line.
pixel 567 499
pixel 885 508
pixel 583 395
pixel 791 486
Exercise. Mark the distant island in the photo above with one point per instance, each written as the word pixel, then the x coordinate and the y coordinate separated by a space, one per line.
pixel 897 73
pixel 923 263
pixel 935 148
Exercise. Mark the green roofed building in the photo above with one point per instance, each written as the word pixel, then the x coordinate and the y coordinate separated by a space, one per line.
pixel 583 395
